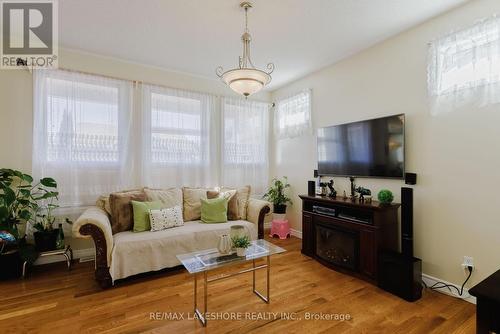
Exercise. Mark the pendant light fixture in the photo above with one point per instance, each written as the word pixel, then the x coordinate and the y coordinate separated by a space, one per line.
pixel 246 79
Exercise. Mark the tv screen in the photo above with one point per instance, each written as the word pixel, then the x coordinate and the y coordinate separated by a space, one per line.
pixel 371 148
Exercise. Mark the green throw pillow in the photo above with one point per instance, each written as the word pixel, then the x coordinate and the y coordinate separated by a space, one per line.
pixel 141 214
pixel 214 210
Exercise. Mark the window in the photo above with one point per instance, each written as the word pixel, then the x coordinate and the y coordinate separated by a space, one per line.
pixel 176 134
pixel 293 116
pixel 81 133
pixel 464 67
pixel 97 135
pixel 245 143
pixel 178 138
pixel 82 127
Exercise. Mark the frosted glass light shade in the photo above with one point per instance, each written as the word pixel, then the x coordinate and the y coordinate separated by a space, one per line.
pixel 246 81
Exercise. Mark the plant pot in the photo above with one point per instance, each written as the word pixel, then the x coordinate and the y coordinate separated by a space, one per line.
pixel 280 209
pixel 241 251
pixel 11 265
pixel 46 241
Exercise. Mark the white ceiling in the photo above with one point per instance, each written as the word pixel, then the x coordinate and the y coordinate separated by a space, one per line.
pixel 193 36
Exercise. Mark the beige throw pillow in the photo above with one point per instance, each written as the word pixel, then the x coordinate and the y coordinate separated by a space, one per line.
pixel 243 195
pixel 232 204
pixel 103 203
pixel 192 202
pixel 168 197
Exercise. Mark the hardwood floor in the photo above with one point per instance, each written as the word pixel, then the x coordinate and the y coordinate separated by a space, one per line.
pixel 53 300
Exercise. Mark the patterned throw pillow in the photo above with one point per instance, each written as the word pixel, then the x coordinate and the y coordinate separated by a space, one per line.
pixel 165 218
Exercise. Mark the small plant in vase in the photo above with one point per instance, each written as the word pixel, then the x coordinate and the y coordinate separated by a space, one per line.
pixel 277 194
pixel 385 196
pixel 241 243
pixel 47 237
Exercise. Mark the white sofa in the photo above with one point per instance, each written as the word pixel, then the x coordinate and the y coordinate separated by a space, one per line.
pixel 129 253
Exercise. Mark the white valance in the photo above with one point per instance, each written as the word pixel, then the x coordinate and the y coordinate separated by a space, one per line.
pixel 464 68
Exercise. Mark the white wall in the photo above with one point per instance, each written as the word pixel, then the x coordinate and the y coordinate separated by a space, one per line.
pixel 455 155
pixel 16 101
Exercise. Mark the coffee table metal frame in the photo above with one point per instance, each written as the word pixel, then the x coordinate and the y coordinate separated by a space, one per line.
pixel 201 316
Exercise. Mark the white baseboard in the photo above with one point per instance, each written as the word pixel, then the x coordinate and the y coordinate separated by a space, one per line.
pixel 77 254
pixel 430 280
pixel 427 279
pixel 296 233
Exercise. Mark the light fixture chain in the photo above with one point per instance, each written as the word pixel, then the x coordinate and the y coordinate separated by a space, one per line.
pixel 246 19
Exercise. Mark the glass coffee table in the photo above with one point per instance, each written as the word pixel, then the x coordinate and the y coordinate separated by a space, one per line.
pixel 201 262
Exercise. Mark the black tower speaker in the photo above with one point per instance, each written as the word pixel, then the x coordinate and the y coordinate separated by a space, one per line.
pixel 311 188
pixel 407 222
pixel 400 275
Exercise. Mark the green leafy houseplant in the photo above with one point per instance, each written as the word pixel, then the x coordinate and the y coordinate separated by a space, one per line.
pixel 276 194
pixel 20 199
pixel 241 243
pixel 19 202
pixel 385 196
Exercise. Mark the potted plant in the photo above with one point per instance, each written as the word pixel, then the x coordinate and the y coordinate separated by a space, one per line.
pixel 277 195
pixel 385 197
pixel 241 243
pixel 19 200
pixel 47 237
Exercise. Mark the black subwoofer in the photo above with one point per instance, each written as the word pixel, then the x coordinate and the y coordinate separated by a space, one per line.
pixel 400 275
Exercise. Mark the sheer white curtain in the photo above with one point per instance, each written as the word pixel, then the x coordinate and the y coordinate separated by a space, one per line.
pixel 81 134
pixel 245 143
pixel 179 131
pixel 292 116
pixel 464 68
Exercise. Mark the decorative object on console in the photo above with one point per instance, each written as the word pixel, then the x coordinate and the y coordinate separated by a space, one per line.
pixel 246 79
pixel 345 196
pixel 278 196
pixel 333 192
pixel 385 196
pixel 353 188
pixel 241 244
pixel 323 186
pixel 363 192
pixel 224 245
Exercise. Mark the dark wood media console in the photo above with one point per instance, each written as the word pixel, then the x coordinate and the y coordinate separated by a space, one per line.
pixel 348 235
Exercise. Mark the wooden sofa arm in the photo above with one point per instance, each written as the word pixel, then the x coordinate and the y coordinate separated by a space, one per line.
pixel 256 213
pixel 94 223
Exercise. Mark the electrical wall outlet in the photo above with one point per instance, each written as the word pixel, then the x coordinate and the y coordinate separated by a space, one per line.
pixel 468 262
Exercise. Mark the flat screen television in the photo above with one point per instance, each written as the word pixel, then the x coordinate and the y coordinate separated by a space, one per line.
pixel 371 148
